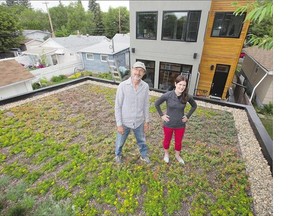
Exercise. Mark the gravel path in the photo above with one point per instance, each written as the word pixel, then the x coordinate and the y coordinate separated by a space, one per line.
pixel 258 170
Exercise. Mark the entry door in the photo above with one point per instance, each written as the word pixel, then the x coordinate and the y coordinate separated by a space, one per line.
pixel 219 80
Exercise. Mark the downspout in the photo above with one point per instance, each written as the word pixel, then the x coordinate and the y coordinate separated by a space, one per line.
pixel 197 81
pixel 258 85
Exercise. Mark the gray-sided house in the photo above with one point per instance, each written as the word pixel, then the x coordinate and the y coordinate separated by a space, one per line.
pixel 61 49
pixel 95 57
pixel 14 79
pixel 36 34
pixel 257 75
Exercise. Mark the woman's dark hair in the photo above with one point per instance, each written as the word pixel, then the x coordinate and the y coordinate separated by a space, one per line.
pixel 184 95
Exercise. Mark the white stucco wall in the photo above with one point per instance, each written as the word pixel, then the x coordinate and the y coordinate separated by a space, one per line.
pixel 56 70
pixel 15 89
pixel 168 51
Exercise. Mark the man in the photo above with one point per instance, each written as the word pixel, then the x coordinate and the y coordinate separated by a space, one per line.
pixel 132 111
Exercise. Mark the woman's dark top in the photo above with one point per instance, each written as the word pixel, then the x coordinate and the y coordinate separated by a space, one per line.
pixel 175 109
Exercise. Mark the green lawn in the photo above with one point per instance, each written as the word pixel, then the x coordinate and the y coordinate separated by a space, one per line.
pixel 57 158
pixel 268 124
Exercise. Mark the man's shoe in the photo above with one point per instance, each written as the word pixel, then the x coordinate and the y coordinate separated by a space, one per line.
pixel 146 159
pixel 118 159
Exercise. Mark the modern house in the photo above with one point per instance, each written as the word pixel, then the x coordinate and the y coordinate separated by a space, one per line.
pixel 257 75
pixel 14 79
pixel 201 39
pixel 117 49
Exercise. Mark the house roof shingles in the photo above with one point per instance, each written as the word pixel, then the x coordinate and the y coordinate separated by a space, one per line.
pixel 12 72
pixel 120 42
pixel 262 56
pixel 77 42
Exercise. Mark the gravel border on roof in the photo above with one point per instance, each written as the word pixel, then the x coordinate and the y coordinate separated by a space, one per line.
pixel 258 170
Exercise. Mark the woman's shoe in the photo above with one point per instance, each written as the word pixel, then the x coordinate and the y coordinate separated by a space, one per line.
pixel 180 160
pixel 166 159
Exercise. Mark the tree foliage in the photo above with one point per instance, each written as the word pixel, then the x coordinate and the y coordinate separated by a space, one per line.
pixel 24 3
pixel 97 18
pixel 59 17
pixel 78 19
pixel 116 20
pixel 33 19
pixel 66 20
pixel 259 13
pixel 10 30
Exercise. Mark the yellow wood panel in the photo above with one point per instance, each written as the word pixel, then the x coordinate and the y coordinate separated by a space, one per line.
pixel 219 50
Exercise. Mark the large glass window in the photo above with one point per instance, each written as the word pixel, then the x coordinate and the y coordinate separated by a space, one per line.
pixel 150 72
pixel 146 25
pixel 181 26
pixel 227 25
pixel 168 73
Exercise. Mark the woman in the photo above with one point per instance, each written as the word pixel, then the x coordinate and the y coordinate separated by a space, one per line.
pixel 174 120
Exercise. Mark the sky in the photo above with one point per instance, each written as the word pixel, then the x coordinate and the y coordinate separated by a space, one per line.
pixel 104 4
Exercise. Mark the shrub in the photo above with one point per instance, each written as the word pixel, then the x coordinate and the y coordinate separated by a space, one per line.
pixel 44 82
pixel 58 78
pixel 75 75
pixel 107 76
pixel 36 85
pixel 267 109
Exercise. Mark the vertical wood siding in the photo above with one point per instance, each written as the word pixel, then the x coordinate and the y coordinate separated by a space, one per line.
pixel 219 50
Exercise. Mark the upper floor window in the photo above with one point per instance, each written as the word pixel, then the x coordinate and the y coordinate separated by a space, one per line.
pixel 146 25
pixel 181 26
pixel 227 25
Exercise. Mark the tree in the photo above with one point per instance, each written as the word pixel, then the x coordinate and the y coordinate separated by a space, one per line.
pixel 59 17
pixel 10 30
pixel 78 19
pixel 116 20
pixel 260 11
pixel 24 3
pixel 97 17
pixel 33 19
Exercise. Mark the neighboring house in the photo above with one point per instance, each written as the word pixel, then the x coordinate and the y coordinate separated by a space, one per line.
pixel 61 50
pixel 201 39
pixel 32 43
pixel 257 75
pixel 95 57
pixel 14 79
pixel 36 34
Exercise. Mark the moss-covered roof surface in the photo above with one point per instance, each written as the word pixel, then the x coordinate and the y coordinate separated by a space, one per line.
pixel 61 147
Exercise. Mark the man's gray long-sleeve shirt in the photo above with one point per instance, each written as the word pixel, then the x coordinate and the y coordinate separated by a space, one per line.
pixel 131 106
pixel 175 109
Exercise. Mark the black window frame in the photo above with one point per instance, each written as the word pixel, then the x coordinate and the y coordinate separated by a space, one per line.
pixel 150 71
pixel 173 70
pixel 229 31
pixel 146 36
pixel 187 28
